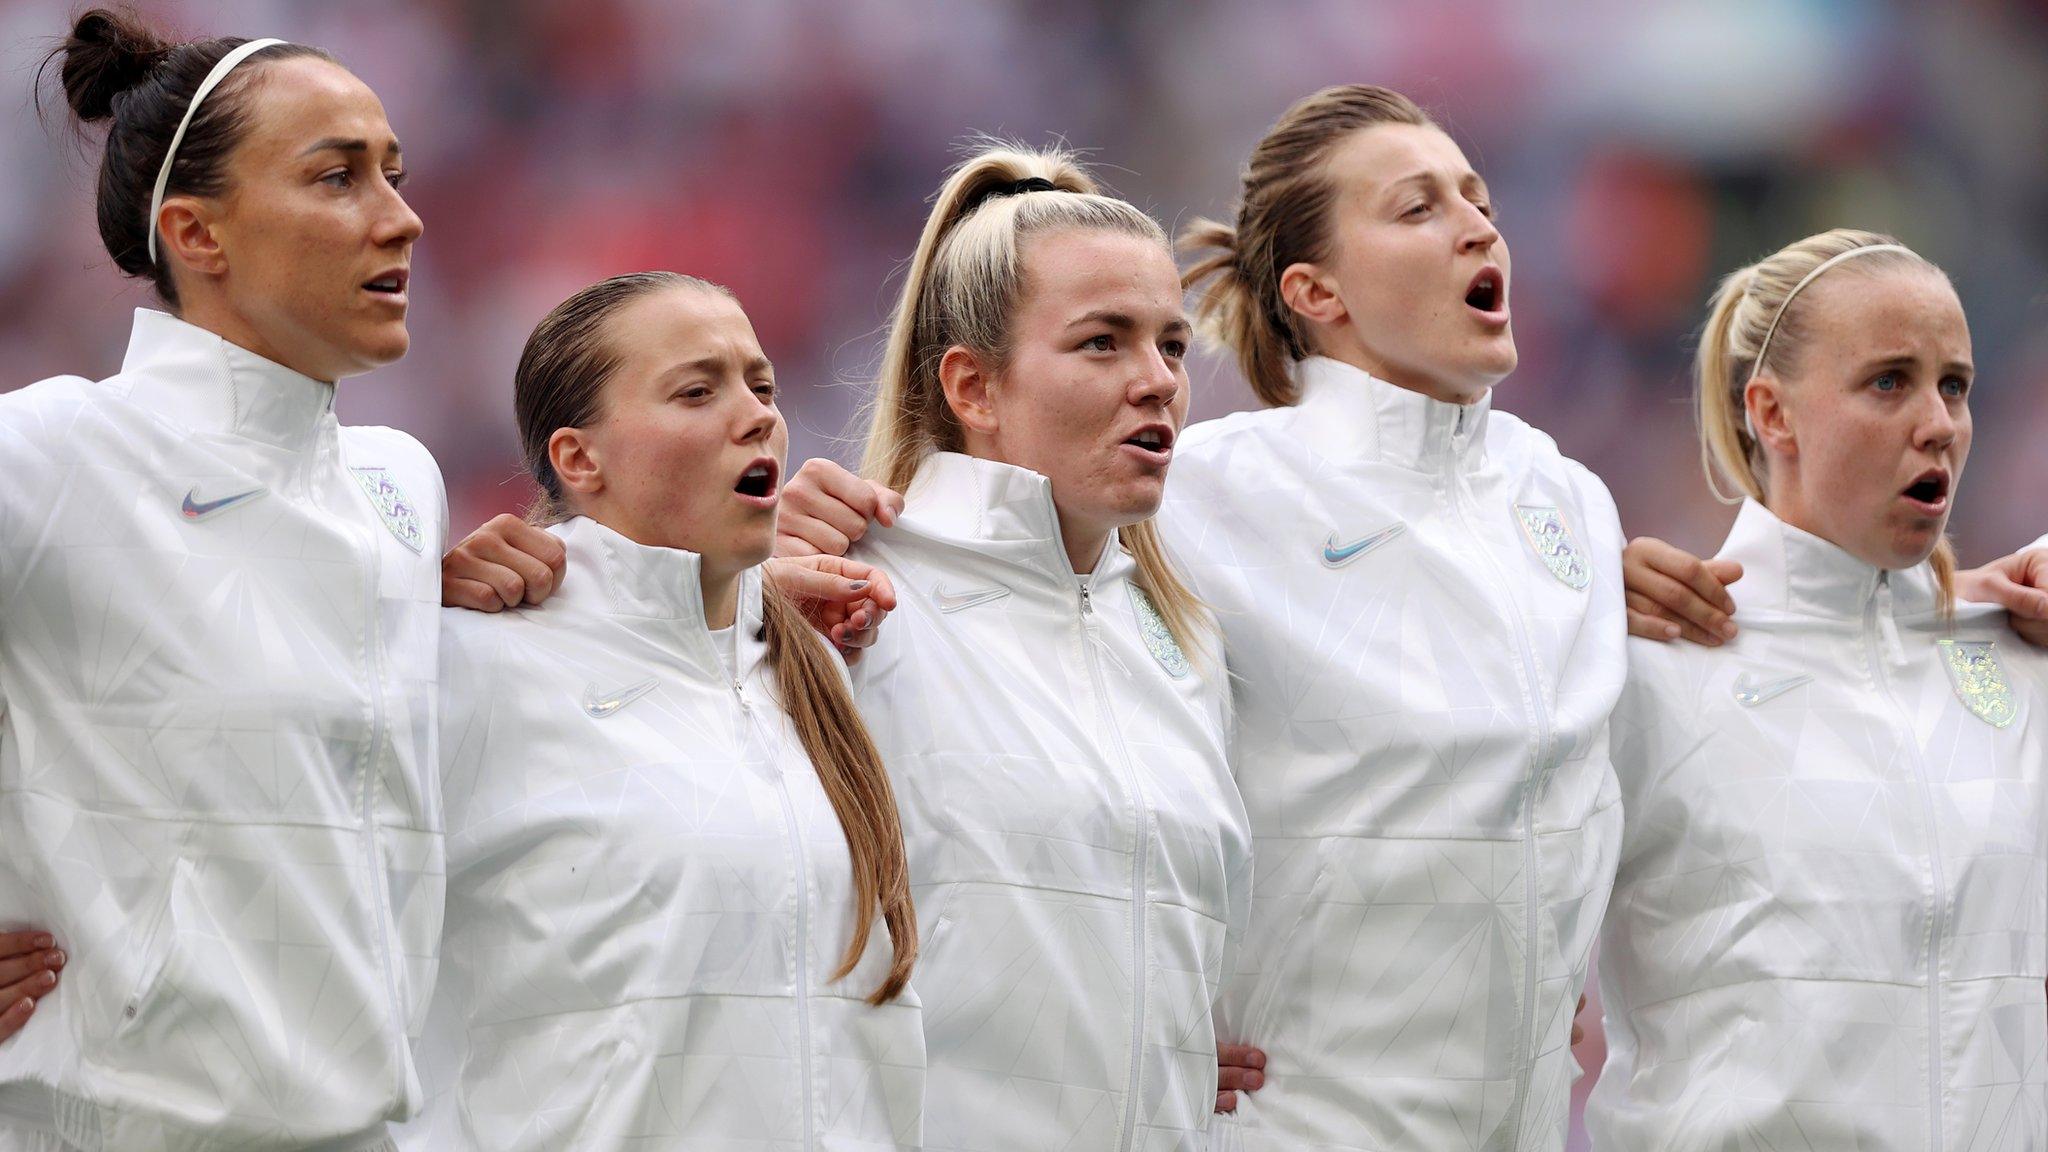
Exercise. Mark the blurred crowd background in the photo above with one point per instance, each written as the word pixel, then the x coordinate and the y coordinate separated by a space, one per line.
pixel 1637 149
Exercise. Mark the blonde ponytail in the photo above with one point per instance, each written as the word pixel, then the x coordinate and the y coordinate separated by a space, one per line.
pixel 961 289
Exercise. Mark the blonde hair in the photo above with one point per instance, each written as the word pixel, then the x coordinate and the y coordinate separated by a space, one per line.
pixel 560 384
pixel 962 289
pixel 1759 311
pixel 1283 218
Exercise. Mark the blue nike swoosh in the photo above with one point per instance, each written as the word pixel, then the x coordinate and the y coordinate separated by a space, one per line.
pixel 1336 556
pixel 199 510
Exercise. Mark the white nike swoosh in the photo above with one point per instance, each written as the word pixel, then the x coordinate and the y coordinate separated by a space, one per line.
pixel 1750 690
pixel 1336 555
pixel 196 509
pixel 600 703
pixel 955 601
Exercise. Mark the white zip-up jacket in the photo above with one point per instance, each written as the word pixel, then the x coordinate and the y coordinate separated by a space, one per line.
pixel 219 613
pixel 1078 851
pixel 648 889
pixel 1422 606
pixel 1830 925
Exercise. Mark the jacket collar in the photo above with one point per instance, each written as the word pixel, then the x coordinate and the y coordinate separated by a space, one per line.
pixel 1351 414
pixel 1786 569
pixel 199 381
pixel 1000 511
pixel 659 589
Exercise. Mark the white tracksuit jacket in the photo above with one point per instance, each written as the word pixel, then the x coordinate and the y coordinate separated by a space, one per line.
pixel 1830 925
pixel 1078 851
pixel 648 889
pixel 219 613
pixel 1422 606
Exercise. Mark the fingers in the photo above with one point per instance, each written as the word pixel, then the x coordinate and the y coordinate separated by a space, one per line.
pixel 1239 1068
pixel 23 943
pixel 2016 598
pixel 16 1016
pixel 474 595
pixel 519 563
pixel 832 579
pixel 1654 626
pixel 825 508
pixel 2034 632
pixel 1658 594
pixel 1578 1029
pixel 31 973
pixel 1226 1102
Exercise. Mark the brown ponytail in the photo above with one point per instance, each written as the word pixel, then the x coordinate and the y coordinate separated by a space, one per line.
pixel 1283 218
pixel 819 706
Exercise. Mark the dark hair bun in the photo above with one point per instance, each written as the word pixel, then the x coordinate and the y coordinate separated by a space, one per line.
pixel 106 54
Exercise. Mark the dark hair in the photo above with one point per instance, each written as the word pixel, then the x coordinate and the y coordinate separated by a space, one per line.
pixel 1283 218
pixel 116 68
pixel 560 384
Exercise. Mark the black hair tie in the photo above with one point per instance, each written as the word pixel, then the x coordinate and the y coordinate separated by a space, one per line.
pixel 1014 188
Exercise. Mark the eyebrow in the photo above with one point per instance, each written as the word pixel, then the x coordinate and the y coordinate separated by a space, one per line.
pixel 348 144
pixel 713 365
pixel 1467 181
pixel 1123 321
pixel 1949 368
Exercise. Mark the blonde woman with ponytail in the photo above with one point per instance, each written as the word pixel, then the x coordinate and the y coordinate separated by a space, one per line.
pixel 1830 924
pixel 678 908
pixel 1050 696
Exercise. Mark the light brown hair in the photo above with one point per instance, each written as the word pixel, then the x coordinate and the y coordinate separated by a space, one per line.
pixel 962 289
pixel 1740 318
pixel 1283 218
pixel 560 384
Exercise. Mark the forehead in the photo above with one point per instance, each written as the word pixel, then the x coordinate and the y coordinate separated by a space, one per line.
pixel 1081 269
pixel 292 103
pixel 1373 159
pixel 1880 313
pixel 681 324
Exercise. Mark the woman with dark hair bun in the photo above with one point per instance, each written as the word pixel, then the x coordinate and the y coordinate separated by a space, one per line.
pixel 219 629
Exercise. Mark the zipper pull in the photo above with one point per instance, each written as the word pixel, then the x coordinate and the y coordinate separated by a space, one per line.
pixel 1087 604
pixel 740 694
pixel 1888 628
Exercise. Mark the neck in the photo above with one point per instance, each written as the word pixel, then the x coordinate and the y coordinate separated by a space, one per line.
pixel 1428 386
pixel 1084 545
pixel 721 594
pixel 213 315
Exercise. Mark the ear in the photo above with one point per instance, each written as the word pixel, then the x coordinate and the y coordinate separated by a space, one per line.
pixel 189 237
pixel 573 456
pixel 1312 293
pixel 1770 419
pixel 969 389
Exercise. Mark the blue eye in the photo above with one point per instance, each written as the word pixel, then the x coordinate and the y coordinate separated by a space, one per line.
pixel 1175 349
pixel 1955 387
pixel 1889 382
pixel 1103 343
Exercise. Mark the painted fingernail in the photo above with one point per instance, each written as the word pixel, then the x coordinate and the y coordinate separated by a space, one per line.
pixel 856 585
pixel 46 979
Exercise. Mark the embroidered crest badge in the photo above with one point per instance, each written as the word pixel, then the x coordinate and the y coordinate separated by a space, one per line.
pixel 1979 681
pixel 1544 527
pixel 391 504
pixel 1158 637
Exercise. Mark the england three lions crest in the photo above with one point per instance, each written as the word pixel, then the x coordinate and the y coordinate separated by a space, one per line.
pixel 1979 681
pixel 1544 528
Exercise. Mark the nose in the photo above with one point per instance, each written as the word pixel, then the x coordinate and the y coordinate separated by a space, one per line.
pixel 1479 234
pixel 397 224
pixel 1939 421
pixel 1158 382
pixel 757 421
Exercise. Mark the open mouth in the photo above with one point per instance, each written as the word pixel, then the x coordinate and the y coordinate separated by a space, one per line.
pixel 389 284
pixel 758 481
pixel 1153 438
pixel 1929 488
pixel 1488 291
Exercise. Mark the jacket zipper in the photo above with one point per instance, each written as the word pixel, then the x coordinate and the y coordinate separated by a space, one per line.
pixel 1139 853
pixel 1877 625
pixel 801 945
pixel 379 881
pixel 1538 715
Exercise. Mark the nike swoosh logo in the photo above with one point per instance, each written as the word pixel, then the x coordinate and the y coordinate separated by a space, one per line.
pixel 1337 555
pixel 600 704
pixel 955 601
pixel 196 509
pixel 1750 690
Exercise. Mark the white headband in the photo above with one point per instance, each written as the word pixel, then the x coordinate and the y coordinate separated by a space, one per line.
pixel 1764 349
pixel 163 175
